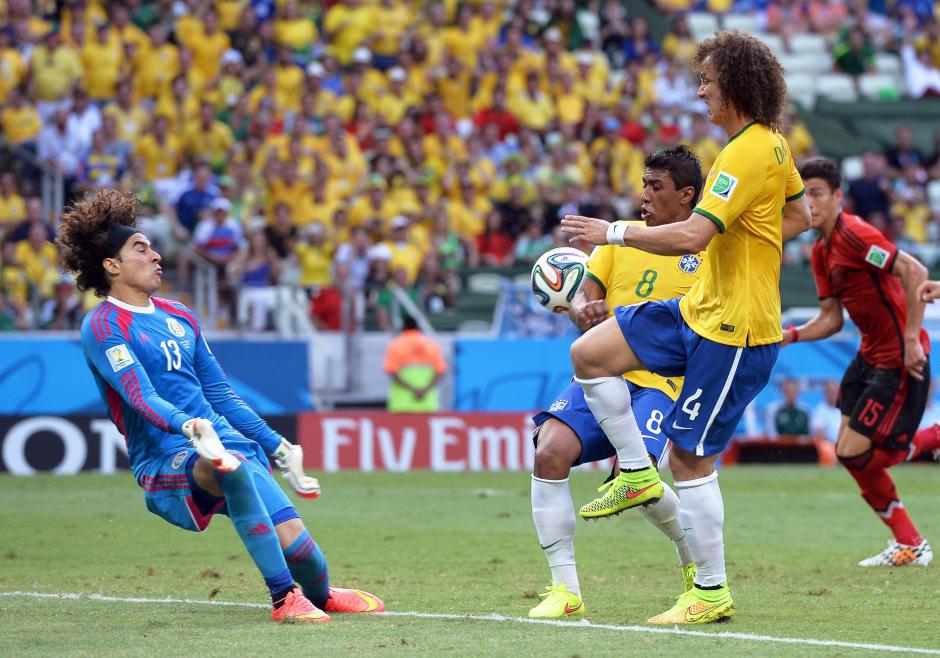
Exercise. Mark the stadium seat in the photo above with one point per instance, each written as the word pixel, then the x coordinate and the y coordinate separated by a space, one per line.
pixel 474 327
pixel 808 43
pixel 702 24
pixel 743 22
pixel 804 63
pixel 888 63
pixel 801 88
pixel 852 167
pixel 837 87
pixel 933 195
pixel 773 41
pixel 485 282
pixel 879 85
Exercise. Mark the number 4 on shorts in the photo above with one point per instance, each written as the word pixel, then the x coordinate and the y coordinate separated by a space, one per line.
pixel 692 409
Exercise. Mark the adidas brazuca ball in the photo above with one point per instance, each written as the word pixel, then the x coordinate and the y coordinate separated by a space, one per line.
pixel 556 277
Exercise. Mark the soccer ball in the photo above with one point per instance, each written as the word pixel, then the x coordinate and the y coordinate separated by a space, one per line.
pixel 556 277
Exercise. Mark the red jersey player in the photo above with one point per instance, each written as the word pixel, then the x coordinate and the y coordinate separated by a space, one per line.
pixel 885 388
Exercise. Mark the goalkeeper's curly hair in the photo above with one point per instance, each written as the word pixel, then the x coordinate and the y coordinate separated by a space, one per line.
pixel 83 232
pixel 748 75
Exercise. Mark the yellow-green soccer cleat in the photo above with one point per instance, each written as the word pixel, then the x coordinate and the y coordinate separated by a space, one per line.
pixel 688 575
pixel 631 489
pixel 558 603
pixel 698 607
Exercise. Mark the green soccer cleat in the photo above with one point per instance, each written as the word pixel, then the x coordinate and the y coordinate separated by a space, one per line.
pixel 629 489
pixel 698 606
pixel 688 575
pixel 558 603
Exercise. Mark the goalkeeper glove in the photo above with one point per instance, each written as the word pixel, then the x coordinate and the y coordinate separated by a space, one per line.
pixel 290 459
pixel 203 438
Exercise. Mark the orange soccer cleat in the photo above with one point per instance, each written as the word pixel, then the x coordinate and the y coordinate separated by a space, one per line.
pixel 352 600
pixel 298 609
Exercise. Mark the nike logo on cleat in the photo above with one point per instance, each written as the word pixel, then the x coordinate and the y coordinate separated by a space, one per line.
pixel 635 493
pixel 569 610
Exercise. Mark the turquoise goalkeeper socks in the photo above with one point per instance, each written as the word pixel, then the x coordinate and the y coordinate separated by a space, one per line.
pixel 254 526
pixel 308 567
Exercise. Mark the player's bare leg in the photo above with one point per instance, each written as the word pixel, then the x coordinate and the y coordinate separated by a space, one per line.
pixel 709 600
pixel 869 465
pixel 600 357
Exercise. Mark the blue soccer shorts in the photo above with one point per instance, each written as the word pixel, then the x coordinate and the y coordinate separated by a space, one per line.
pixel 720 380
pixel 650 407
pixel 171 493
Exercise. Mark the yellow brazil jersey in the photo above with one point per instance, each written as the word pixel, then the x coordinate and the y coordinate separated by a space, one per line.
pixel 629 276
pixel 737 302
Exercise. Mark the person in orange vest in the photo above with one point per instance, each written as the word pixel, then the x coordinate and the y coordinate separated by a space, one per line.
pixel 415 363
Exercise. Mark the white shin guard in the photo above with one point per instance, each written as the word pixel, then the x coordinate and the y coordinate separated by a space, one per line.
pixel 609 400
pixel 702 504
pixel 665 515
pixel 553 514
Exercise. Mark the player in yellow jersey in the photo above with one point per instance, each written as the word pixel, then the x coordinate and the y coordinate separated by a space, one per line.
pixel 724 334
pixel 567 433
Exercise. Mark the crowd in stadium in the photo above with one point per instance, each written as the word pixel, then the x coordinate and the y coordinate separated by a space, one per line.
pixel 347 145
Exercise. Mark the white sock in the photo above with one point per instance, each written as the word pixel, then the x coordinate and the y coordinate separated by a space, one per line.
pixel 609 400
pixel 553 513
pixel 701 500
pixel 664 514
pixel 685 520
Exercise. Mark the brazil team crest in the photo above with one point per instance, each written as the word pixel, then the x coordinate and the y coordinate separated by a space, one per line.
pixel 689 263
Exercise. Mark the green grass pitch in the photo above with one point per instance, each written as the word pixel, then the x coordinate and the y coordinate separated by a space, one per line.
pixel 461 544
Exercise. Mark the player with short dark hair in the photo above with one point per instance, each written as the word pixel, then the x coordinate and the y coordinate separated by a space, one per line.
pixel 884 391
pixel 724 334
pixel 567 434
pixel 196 449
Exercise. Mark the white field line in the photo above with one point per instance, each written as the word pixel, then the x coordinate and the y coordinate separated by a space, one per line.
pixel 651 630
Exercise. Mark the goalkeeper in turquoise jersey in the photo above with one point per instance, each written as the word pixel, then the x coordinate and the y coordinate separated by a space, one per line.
pixel 196 449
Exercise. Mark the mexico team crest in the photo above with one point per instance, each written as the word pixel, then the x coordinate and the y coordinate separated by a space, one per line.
pixel 689 263
pixel 175 327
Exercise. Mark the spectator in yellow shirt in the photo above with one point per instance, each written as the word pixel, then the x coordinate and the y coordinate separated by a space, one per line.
pixel 207 45
pixel 569 102
pixel 314 256
pixel 13 68
pixel 397 99
pixel 374 205
pixel 288 81
pixel 12 208
pixel 405 254
pixel 460 40
pixel 125 30
pixel 132 119
pixel 39 259
pixel 291 190
pixel 454 88
pixel 159 64
pixel 179 105
pixel 161 151
pixel 385 40
pixel 20 120
pixel 533 108
pixel 102 56
pixel 55 69
pixel 346 26
pixel 293 30
pixel 209 139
